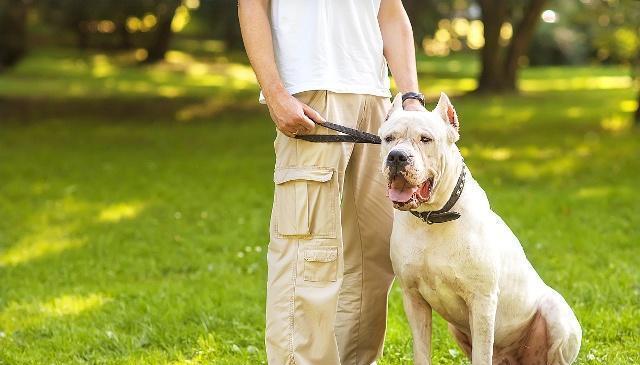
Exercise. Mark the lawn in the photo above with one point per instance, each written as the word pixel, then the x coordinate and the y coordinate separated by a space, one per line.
pixel 134 206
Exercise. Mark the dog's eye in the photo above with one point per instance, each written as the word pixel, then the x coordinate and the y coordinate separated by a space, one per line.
pixel 425 139
pixel 388 139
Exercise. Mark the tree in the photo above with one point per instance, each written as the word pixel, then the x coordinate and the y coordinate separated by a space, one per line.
pixel 13 32
pixel 637 78
pixel 165 11
pixel 424 15
pixel 499 66
pixel 220 18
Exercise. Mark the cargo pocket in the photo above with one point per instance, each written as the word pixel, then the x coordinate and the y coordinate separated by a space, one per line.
pixel 321 263
pixel 305 202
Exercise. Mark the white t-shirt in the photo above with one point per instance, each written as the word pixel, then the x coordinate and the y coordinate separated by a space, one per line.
pixel 333 45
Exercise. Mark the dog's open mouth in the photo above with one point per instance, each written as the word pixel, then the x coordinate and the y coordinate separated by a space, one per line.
pixel 402 193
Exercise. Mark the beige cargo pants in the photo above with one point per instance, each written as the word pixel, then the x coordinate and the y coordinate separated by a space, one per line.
pixel 329 270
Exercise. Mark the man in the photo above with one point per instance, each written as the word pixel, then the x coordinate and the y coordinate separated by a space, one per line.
pixel 329 271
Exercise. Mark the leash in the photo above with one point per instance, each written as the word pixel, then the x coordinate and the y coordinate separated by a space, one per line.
pixel 445 215
pixel 350 135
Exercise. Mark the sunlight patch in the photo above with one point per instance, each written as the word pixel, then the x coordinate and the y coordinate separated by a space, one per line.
pixel 597 192
pixel 118 212
pixel 21 315
pixel 616 123
pixel 578 83
pixel 495 111
pixel 72 304
pixel 197 69
pixel 452 85
pixel 575 112
pixel 554 167
pixel 102 66
pixel 242 74
pixel 171 91
pixel 495 154
pixel 44 243
pixel 204 353
pixel 628 106
pixel 174 56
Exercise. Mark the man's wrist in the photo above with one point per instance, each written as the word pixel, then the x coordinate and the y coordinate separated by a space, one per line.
pixel 412 95
pixel 274 91
pixel 413 105
pixel 411 102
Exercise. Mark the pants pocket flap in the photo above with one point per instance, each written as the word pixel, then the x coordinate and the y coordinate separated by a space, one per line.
pixel 319 174
pixel 321 254
pixel 321 263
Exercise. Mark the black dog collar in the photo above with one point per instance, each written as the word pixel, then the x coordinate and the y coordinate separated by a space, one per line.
pixel 445 215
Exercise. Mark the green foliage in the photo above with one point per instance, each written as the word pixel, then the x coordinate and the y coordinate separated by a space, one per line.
pixel 612 27
pixel 131 235
pixel 622 44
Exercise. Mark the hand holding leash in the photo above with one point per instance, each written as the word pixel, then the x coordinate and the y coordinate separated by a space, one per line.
pixel 291 116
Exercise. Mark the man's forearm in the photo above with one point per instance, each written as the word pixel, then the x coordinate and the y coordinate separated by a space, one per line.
pixel 258 42
pixel 399 49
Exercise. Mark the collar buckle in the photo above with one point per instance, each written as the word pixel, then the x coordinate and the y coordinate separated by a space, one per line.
pixel 426 217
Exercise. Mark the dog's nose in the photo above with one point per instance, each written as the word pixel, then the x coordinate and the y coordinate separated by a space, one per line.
pixel 397 158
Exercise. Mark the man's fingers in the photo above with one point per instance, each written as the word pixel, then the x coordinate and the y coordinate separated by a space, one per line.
pixel 288 134
pixel 306 124
pixel 312 114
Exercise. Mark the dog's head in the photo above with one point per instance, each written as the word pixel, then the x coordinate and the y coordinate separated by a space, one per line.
pixel 415 147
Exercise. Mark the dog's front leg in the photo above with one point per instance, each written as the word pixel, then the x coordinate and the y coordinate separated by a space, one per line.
pixel 483 317
pixel 418 313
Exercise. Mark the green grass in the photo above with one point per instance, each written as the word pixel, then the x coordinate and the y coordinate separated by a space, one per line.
pixel 131 233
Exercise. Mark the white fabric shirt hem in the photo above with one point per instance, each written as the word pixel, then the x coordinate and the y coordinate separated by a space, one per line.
pixel 340 89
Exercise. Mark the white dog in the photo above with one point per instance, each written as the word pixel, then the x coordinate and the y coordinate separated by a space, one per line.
pixel 453 254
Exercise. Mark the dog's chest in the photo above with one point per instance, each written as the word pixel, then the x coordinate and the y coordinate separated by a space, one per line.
pixel 444 297
pixel 436 273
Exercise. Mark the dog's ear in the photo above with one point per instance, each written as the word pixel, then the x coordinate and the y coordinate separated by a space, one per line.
pixel 448 114
pixel 395 106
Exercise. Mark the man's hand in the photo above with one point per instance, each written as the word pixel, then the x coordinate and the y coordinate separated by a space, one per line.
pixel 291 116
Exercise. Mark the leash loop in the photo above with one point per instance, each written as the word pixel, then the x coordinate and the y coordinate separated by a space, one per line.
pixel 350 135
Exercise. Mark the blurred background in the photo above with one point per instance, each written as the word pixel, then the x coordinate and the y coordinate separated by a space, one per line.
pixel 136 171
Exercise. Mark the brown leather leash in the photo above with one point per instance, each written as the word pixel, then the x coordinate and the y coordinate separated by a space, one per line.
pixel 350 135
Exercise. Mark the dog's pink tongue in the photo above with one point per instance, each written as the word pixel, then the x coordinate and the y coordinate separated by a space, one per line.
pixel 400 191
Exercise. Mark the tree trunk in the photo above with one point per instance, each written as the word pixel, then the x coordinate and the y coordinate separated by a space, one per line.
pixel 491 77
pixel 519 45
pixel 76 20
pixel 82 35
pixel 163 34
pixel 232 36
pixel 13 33
pixel 123 34
pixel 635 75
pixel 637 115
